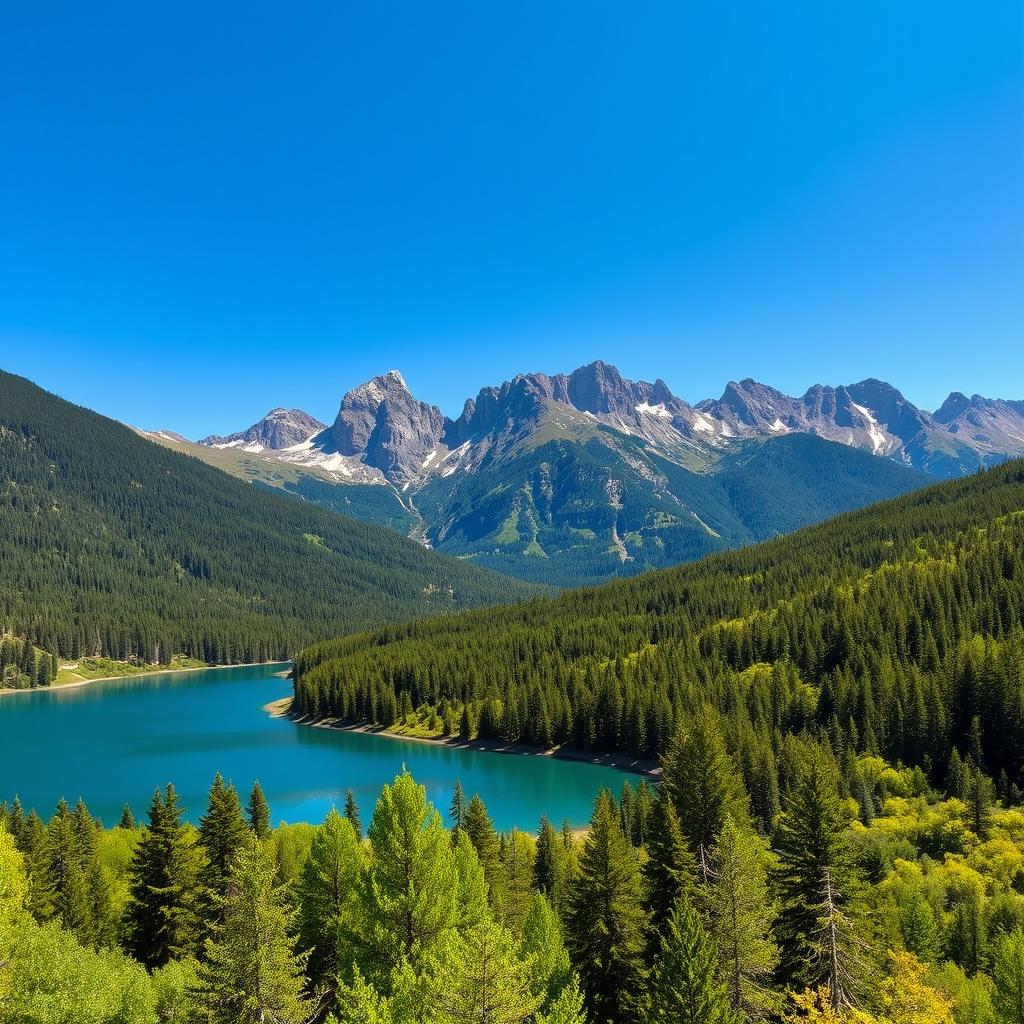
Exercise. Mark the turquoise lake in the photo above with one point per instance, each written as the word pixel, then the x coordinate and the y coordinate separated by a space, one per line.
pixel 115 741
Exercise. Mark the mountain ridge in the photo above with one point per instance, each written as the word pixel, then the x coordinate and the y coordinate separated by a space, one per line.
pixel 382 433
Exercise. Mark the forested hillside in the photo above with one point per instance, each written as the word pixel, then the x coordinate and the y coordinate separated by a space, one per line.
pixel 894 630
pixel 111 545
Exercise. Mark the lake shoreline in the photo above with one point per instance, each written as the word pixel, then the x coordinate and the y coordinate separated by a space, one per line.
pixel 135 675
pixel 623 762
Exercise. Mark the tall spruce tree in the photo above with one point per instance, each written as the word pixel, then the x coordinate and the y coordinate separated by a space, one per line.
pixel 258 812
pixel 480 830
pixel 328 895
pixel 741 918
pixel 670 870
pixel 817 929
pixel 411 892
pixel 457 808
pixel 222 834
pixel 551 865
pixel 161 918
pixel 352 813
pixel 606 920
pixel 685 987
pixel 703 782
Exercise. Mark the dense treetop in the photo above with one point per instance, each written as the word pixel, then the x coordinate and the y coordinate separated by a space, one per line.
pixel 112 545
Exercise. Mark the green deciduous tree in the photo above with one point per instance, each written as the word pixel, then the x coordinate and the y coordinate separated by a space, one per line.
pixel 1008 975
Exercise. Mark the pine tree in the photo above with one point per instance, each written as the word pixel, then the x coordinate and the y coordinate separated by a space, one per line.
pixel 606 919
pixel 670 870
pixel 480 830
pixel 411 892
pixel 551 865
pixel 127 819
pixel 485 981
pixel 703 782
pixel 917 924
pixel 252 973
pixel 352 813
pixel 258 811
pixel 816 883
pixel 222 834
pixel 685 987
pixel 328 893
pixel 741 920
pixel 161 918
pixel 457 810
pixel 517 861
pixel 978 795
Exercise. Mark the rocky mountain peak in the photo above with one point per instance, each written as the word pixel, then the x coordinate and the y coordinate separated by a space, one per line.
pixel 383 421
pixel 280 428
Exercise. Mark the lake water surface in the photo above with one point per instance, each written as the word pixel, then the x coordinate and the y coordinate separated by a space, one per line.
pixel 113 741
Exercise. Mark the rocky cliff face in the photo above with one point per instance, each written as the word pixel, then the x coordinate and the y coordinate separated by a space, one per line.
pixel 382 422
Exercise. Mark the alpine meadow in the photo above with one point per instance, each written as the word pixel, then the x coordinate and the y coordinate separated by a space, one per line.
pixel 512 515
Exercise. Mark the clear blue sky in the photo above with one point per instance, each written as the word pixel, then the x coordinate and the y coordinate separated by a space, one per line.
pixel 210 209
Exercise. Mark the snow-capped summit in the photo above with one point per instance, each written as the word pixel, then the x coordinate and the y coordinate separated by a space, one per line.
pixel 279 429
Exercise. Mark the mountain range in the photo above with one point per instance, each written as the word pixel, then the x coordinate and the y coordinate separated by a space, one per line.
pixel 580 477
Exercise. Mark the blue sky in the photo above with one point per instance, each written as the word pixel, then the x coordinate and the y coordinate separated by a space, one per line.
pixel 210 209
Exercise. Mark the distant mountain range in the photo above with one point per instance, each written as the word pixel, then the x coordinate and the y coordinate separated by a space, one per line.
pixel 578 477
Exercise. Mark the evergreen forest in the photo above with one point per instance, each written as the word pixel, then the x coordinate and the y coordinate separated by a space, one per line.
pixel 894 631
pixel 112 546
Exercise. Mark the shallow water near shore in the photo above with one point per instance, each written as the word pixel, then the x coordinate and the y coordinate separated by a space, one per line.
pixel 116 740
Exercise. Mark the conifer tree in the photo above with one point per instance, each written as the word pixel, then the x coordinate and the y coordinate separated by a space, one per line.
pixel 457 809
pixel 685 987
pixel 517 861
pixel 252 974
pixel 258 811
pixel 918 927
pixel 480 830
pixel 411 891
pixel 222 834
pixel 606 919
pixel 161 919
pixel 703 782
pixel 551 865
pixel 670 870
pixel 741 920
pixel 328 893
pixel 485 981
pixel 978 795
pixel 816 883
pixel 352 813
pixel 127 819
